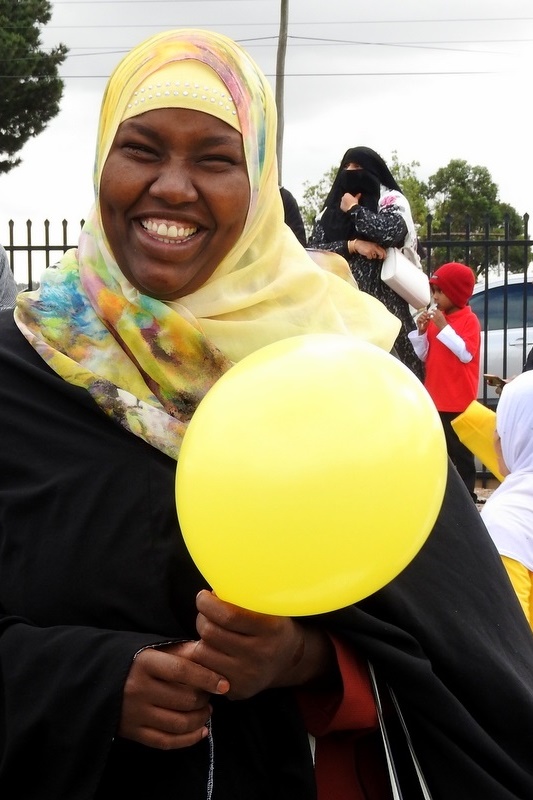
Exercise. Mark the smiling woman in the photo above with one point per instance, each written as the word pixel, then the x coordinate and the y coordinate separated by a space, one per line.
pixel 174 198
pixel 118 665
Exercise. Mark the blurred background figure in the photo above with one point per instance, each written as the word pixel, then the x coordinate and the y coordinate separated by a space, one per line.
pixel 8 286
pixel 293 217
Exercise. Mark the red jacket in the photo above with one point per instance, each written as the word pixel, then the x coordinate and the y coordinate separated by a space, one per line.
pixel 451 383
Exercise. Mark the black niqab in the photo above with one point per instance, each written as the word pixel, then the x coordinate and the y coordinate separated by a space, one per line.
pixel 367 180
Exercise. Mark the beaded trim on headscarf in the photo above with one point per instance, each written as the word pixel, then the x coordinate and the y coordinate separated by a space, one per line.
pixel 184 84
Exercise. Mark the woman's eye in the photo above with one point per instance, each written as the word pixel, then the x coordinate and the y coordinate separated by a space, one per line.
pixel 138 148
pixel 217 159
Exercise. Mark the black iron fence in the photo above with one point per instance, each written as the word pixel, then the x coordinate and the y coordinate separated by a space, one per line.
pixel 507 246
pixel 32 248
pixel 502 259
pixel 503 251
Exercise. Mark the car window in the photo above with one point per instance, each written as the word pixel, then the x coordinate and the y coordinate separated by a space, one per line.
pixel 496 306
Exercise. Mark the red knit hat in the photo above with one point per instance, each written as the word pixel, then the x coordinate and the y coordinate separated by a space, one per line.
pixel 457 281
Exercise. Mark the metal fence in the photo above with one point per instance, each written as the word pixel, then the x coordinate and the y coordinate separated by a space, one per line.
pixel 31 249
pixel 484 247
pixel 30 252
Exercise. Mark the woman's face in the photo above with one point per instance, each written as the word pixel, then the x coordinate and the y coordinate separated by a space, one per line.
pixel 353 165
pixel 174 196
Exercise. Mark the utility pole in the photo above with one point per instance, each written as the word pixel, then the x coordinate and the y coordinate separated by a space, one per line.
pixel 280 80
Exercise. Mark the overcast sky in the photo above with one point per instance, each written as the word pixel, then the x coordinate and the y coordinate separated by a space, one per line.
pixel 431 79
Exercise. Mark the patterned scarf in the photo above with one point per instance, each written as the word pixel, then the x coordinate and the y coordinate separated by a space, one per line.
pixel 148 363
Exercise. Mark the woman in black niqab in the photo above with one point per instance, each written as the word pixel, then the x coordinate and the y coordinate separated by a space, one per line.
pixel 380 214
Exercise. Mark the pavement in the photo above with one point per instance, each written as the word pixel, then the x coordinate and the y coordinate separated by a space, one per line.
pixel 482 494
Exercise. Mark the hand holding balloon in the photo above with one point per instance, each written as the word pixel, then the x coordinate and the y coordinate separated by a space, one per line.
pixel 258 651
pixel 280 476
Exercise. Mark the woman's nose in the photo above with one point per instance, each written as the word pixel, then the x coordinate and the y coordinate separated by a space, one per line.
pixel 174 184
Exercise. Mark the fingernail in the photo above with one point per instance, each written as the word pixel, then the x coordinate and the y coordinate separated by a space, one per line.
pixel 222 686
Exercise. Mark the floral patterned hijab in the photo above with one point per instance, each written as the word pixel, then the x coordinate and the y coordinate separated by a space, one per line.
pixel 148 363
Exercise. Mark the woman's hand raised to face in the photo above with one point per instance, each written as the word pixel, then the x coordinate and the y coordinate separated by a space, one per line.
pixel 258 651
pixel 348 201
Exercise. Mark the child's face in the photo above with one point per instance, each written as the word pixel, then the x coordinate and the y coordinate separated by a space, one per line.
pixel 443 302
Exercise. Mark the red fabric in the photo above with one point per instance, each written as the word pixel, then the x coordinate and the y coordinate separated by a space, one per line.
pixel 452 384
pixel 349 761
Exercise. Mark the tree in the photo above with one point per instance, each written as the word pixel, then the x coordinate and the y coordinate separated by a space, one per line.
pixel 413 188
pixel 30 87
pixel 314 196
pixel 459 190
pixel 462 195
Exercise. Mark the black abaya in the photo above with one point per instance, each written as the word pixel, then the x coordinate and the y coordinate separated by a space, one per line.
pixel 93 567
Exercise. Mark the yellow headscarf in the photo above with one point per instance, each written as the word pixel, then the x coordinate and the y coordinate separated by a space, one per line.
pixel 146 362
pixel 267 287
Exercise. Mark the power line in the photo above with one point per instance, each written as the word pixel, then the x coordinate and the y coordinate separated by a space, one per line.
pixel 328 42
pixel 291 23
pixel 305 41
pixel 75 51
pixel 404 45
pixel 292 74
pixel 275 23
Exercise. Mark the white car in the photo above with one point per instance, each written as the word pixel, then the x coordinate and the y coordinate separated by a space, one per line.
pixel 505 304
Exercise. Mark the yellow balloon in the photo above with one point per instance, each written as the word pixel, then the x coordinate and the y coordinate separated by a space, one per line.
pixel 310 475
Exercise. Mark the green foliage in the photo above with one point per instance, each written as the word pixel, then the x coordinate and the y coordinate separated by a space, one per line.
pixel 413 188
pixel 465 205
pixel 30 89
pixel 460 190
pixel 314 196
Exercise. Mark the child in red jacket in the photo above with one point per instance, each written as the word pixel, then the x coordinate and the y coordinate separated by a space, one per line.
pixel 448 340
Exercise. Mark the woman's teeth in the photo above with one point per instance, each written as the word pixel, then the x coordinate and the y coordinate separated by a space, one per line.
pixel 169 232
